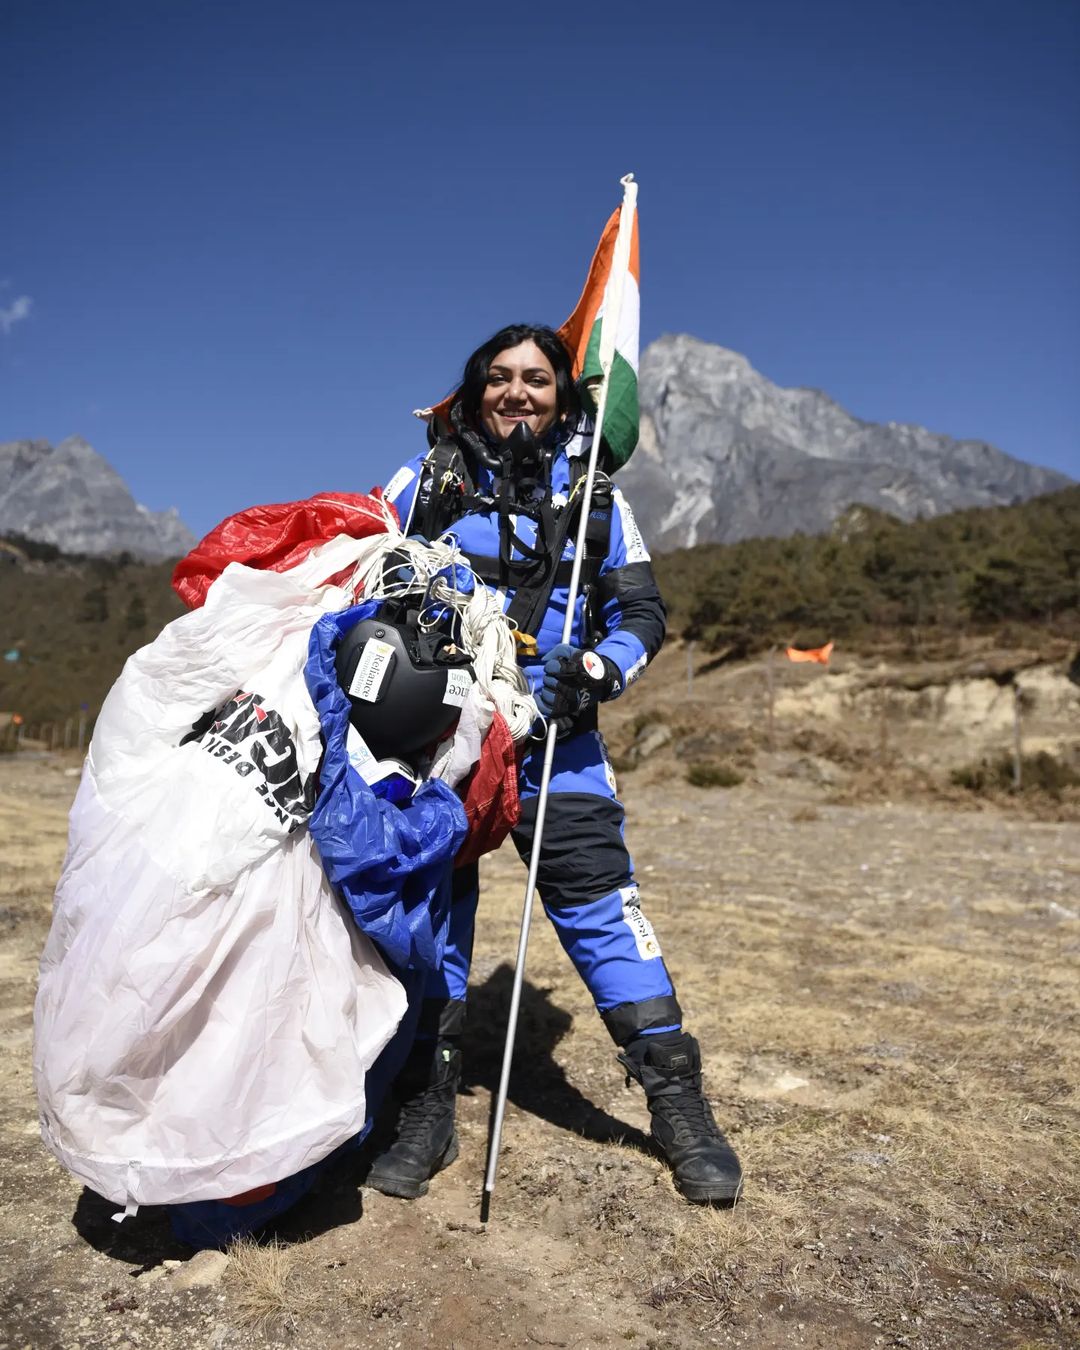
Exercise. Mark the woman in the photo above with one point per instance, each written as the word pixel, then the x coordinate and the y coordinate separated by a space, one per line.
pixel 502 478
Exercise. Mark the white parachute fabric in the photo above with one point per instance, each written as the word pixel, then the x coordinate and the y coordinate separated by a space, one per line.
pixel 207 1012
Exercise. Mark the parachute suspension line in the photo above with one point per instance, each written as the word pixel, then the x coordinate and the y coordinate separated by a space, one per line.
pixel 382 514
pixel 487 635
pixel 484 630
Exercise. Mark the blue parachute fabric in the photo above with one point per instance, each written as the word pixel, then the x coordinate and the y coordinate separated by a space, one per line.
pixel 214 1223
pixel 390 864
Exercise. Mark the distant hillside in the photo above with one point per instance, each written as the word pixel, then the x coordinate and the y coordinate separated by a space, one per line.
pixel 68 623
pixel 979 569
pixel 725 454
pixel 73 621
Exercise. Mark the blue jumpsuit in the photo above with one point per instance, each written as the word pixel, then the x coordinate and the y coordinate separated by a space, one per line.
pixel 585 875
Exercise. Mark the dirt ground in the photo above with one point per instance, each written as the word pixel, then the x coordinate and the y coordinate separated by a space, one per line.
pixel 882 972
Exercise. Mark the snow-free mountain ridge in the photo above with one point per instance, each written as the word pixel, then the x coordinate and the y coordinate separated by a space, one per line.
pixel 71 497
pixel 725 454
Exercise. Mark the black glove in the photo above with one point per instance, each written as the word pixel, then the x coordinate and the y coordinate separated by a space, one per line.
pixel 573 678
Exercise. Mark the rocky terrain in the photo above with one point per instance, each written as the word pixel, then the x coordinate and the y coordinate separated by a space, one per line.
pixel 70 496
pixel 881 967
pixel 725 455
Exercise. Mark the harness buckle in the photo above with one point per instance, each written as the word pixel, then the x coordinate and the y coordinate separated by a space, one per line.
pixel 525 644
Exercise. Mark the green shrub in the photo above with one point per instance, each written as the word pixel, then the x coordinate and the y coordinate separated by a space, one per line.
pixel 983 566
pixel 712 775
pixel 1041 772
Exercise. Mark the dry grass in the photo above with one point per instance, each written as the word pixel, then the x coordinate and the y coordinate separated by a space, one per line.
pixel 891 1044
pixel 886 997
pixel 264 1280
pixel 272 1289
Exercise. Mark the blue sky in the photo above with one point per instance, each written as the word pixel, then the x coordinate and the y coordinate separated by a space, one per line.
pixel 242 241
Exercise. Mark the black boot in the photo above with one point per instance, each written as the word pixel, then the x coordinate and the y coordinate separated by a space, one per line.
pixel 423 1140
pixel 668 1067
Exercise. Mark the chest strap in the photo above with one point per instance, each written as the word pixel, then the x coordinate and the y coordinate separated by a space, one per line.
pixel 447 491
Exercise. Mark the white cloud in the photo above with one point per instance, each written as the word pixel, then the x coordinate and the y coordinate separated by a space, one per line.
pixel 12 314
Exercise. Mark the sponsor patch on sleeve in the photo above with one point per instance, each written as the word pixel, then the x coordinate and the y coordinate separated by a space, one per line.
pixel 632 540
pixel 398 483
pixel 636 669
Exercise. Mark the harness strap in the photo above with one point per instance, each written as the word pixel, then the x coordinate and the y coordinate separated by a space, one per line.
pixel 531 600
pixel 490 571
pixel 447 491
pixel 446 485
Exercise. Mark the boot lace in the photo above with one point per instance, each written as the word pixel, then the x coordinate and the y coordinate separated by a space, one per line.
pixel 690 1113
pixel 419 1113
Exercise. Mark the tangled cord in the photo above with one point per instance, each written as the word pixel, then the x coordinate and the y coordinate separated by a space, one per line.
pixel 397 567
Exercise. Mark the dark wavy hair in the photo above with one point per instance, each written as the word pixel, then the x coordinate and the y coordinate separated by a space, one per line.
pixel 475 376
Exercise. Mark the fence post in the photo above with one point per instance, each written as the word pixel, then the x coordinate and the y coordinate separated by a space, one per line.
pixel 883 728
pixel 770 685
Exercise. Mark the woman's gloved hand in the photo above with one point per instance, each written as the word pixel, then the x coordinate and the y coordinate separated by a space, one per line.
pixel 574 677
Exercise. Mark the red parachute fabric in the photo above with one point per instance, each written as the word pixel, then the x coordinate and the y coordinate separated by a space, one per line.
pixel 491 801
pixel 276 537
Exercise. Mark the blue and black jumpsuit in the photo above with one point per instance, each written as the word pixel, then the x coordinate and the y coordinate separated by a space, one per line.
pixel 585 874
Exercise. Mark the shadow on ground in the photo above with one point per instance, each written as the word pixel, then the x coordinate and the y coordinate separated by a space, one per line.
pixel 538 1084
pixel 144 1240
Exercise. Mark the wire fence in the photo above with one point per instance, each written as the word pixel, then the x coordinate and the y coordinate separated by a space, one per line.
pixel 73 733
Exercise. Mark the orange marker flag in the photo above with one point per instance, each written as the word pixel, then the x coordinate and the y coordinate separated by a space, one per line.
pixel 819 654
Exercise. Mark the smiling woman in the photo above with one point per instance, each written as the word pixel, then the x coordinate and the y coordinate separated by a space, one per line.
pixel 522 374
pixel 504 476
pixel 520 388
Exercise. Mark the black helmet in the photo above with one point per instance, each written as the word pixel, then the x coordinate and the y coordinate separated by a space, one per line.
pixel 406 686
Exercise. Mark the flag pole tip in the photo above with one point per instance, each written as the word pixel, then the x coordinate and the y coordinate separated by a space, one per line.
pixel 485 1206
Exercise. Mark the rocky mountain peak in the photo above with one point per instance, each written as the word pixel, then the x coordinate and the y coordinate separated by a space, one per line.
pixel 72 497
pixel 725 454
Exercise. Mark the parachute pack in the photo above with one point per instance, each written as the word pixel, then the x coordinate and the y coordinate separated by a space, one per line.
pixel 240 918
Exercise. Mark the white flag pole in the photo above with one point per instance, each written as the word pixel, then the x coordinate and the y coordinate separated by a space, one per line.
pixel 609 324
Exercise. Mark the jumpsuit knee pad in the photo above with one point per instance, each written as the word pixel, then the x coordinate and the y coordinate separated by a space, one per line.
pixel 582 855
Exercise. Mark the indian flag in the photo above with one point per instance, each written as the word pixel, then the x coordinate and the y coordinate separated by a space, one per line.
pixel 603 333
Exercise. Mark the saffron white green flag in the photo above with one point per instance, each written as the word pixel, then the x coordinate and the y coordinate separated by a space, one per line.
pixel 612 288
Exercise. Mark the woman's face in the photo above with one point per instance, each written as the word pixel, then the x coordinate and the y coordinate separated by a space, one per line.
pixel 520 388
